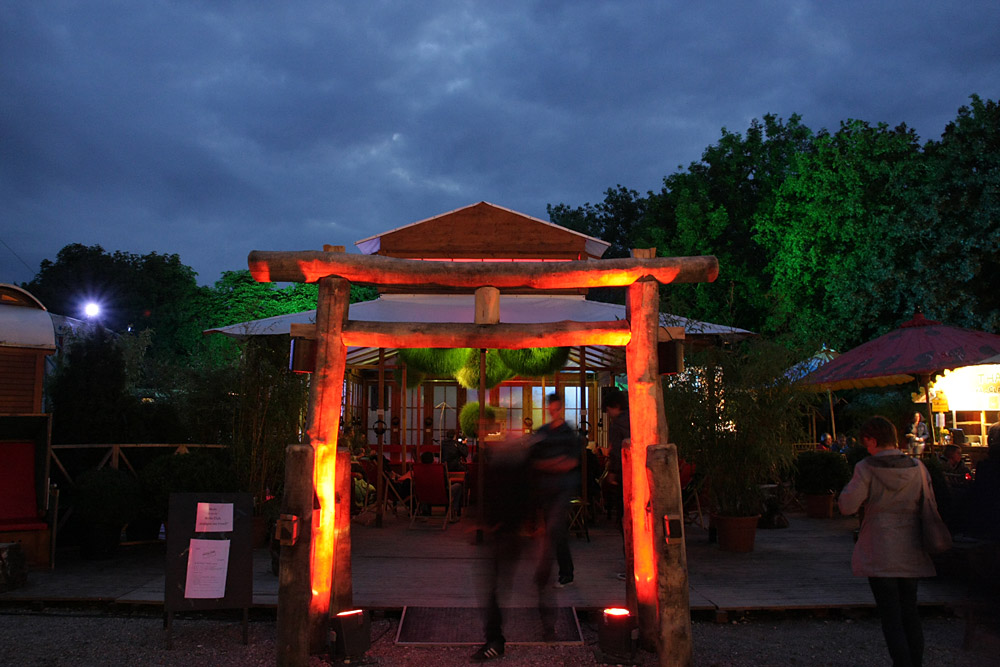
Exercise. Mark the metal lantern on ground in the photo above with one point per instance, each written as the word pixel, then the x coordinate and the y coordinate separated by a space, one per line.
pixel 615 635
pixel 350 635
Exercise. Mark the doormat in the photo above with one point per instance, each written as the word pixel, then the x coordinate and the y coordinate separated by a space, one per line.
pixel 428 626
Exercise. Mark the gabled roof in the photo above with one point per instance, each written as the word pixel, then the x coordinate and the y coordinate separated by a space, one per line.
pixel 483 231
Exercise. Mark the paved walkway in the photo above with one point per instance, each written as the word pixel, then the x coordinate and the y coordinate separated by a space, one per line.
pixel 806 566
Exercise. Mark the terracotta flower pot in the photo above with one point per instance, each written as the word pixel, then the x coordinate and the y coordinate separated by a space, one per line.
pixel 736 533
pixel 819 506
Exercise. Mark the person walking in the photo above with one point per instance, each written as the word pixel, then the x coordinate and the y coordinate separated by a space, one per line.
pixel 555 465
pixel 507 505
pixel 889 551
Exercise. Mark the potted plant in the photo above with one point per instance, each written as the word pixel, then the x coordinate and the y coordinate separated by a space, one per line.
pixel 106 500
pixel 820 475
pixel 734 414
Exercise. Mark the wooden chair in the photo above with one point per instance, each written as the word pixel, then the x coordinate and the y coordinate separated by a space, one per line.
pixel 389 492
pixel 578 518
pixel 691 499
pixel 23 503
pixel 431 487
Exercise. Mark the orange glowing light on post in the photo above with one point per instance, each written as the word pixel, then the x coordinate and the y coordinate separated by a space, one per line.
pixel 616 611
pixel 321 559
pixel 646 419
pixel 260 271
pixel 313 270
pixel 352 612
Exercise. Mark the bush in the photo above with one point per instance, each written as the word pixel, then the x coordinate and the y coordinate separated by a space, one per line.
pixel 106 496
pixel 469 418
pixel 198 471
pixel 820 472
pixel 734 413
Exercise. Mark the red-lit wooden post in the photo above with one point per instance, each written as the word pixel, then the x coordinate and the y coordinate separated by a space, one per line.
pixel 673 639
pixel 326 394
pixel 661 596
pixel 643 304
pixel 294 579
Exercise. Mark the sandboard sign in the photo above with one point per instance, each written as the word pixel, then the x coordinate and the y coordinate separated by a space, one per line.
pixel 209 562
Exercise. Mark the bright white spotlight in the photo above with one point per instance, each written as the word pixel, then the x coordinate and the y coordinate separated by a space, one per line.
pixel 92 309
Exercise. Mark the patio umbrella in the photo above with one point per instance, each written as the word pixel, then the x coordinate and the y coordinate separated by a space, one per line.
pixel 807 366
pixel 917 349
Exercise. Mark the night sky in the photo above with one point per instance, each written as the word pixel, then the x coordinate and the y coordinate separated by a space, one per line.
pixel 209 129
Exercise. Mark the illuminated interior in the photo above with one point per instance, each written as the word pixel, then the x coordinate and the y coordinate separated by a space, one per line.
pixel 974 388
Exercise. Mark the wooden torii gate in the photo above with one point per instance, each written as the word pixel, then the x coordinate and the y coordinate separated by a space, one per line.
pixel 315 578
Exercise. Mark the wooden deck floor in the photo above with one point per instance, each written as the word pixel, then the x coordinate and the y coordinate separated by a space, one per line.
pixel 806 566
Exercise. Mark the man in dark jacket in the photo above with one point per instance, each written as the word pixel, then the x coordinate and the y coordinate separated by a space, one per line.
pixel 616 407
pixel 555 465
pixel 453 453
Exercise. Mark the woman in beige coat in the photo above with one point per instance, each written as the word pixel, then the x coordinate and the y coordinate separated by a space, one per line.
pixel 889 550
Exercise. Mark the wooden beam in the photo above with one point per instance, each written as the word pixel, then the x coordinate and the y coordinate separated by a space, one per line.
pixel 308 266
pixel 454 334
pixel 487 305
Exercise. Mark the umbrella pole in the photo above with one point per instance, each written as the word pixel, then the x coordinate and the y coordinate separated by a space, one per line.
pixel 833 421
pixel 930 411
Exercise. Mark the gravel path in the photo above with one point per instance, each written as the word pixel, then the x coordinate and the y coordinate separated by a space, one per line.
pixel 80 637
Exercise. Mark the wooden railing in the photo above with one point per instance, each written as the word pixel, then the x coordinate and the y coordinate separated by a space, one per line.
pixel 115 455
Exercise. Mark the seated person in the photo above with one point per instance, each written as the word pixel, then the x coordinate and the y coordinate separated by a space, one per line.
pixel 457 489
pixel 986 490
pixel 361 489
pixel 956 473
pixel 454 452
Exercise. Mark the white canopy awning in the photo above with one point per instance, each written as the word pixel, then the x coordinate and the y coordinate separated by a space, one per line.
pixel 514 309
pixel 26 327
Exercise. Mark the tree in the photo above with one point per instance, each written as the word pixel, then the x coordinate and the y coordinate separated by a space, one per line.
pixel 711 209
pixel 90 401
pixel 955 233
pixel 834 231
pixel 135 292
pixel 617 219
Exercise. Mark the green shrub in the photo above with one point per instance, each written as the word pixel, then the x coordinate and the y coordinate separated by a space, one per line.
pixel 469 418
pixel 107 496
pixel 198 471
pixel 820 472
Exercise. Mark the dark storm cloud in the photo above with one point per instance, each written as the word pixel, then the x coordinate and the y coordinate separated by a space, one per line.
pixel 210 129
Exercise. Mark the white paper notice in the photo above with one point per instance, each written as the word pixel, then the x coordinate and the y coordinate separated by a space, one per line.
pixel 208 565
pixel 214 518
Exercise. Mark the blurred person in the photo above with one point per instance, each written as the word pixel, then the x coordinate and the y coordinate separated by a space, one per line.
pixel 506 507
pixel 889 550
pixel 986 489
pixel 840 445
